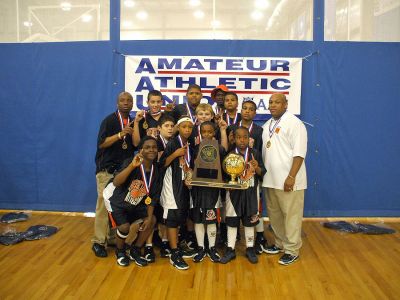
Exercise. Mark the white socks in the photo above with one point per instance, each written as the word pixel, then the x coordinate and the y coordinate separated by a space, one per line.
pixel 249 236
pixel 232 232
pixel 212 234
pixel 200 232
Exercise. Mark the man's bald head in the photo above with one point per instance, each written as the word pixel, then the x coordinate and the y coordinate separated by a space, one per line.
pixel 125 102
pixel 277 105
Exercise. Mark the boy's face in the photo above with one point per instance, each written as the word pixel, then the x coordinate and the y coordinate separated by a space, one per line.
pixel 167 129
pixel 219 97
pixel 207 132
pixel 150 150
pixel 154 104
pixel 248 111
pixel 185 129
pixel 204 115
pixel 230 102
pixel 241 138
pixel 194 96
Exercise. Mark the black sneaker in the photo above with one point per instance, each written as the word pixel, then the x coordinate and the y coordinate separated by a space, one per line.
pixel 134 254
pixel 165 250
pixel 199 256
pixel 177 261
pixel 212 253
pixel 122 259
pixel 287 259
pixel 149 254
pixel 251 255
pixel 229 255
pixel 187 253
pixel 273 250
pixel 260 245
pixel 99 250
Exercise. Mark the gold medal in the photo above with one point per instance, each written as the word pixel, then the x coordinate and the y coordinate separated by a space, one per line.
pixel 124 145
pixel 145 125
pixel 147 201
pixel 268 144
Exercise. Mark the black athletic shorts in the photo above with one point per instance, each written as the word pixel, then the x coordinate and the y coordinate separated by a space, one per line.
pixel 174 218
pixel 128 214
pixel 204 215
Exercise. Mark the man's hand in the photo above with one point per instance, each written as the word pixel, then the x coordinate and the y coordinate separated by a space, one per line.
pixel 289 183
pixel 127 130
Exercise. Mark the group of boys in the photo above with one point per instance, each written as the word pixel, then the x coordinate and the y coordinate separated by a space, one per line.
pixel 148 195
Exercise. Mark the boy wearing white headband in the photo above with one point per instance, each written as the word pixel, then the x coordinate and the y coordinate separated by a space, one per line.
pixel 174 198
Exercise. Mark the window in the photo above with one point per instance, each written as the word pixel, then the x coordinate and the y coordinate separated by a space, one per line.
pixel 216 19
pixel 362 20
pixel 28 21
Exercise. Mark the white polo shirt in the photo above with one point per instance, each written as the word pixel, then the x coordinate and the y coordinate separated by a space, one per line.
pixel 286 140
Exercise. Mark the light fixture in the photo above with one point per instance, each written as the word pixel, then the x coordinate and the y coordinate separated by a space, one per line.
pixel 261 4
pixel 86 18
pixel 142 15
pixel 194 2
pixel 215 24
pixel 256 15
pixel 66 6
pixel 198 14
pixel 129 3
pixel 28 24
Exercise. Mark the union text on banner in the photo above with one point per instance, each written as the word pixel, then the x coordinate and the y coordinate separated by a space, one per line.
pixel 252 78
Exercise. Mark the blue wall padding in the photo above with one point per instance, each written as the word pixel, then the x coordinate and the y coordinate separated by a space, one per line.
pixel 54 96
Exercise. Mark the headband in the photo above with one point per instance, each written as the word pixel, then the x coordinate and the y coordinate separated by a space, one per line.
pixel 184 119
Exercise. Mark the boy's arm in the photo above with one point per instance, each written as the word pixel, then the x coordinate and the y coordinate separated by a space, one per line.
pixel 136 131
pixel 121 177
pixel 224 137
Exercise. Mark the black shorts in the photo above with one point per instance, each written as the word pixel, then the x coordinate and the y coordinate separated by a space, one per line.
pixel 174 218
pixel 130 214
pixel 204 215
pixel 247 221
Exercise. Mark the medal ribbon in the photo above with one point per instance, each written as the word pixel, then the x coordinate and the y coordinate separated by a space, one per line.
pixel 187 154
pixel 147 184
pixel 121 121
pixel 250 127
pixel 228 119
pixel 198 130
pixel 190 114
pixel 163 141
pixel 271 131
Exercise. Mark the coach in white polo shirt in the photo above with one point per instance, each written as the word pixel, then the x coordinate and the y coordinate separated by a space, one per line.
pixel 283 152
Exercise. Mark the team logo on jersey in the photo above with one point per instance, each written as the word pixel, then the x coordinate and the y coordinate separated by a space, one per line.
pixel 136 192
pixel 254 219
pixel 277 129
pixel 210 215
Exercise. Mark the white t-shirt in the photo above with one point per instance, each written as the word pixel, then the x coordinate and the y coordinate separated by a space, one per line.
pixel 288 139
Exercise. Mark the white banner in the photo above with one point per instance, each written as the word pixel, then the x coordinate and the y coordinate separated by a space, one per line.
pixel 251 78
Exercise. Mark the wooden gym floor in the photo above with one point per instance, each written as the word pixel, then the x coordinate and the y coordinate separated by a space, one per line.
pixel 332 265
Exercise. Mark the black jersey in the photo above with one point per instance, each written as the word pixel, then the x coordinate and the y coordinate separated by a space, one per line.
pixel 148 125
pixel 206 197
pixel 133 191
pixel 232 121
pixel 110 158
pixel 174 193
pixel 245 202
pixel 182 110
pixel 255 135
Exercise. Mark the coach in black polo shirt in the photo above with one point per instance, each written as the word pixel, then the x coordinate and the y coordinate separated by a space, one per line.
pixel 114 145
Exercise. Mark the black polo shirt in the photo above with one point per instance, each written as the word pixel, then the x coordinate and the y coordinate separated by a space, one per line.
pixel 111 158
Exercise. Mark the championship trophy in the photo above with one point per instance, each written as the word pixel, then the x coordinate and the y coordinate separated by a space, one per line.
pixel 207 168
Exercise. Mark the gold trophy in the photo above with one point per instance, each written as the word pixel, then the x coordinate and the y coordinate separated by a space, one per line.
pixel 233 165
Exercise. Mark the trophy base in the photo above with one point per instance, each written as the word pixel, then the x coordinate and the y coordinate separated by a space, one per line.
pixel 220 185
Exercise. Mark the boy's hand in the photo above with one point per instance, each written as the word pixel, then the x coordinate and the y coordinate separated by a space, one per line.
pixel 139 116
pixel 254 163
pixel 170 106
pixel 181 151
pixel 137 160
pixel 222 124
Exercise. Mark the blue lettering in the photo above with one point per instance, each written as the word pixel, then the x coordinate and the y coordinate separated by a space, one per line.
pixel 264 84
pixel 144 84
pixel 276 86
pixel 213 62
pixel 163 81
pixel 194 64
pixel 175 98
pixel 229 82
pixel 234 64
pixel 248 82
pixel 262 66
pixel 203 83
pixel 261 104
pixel 180 82
pixel 139 102
pixel 163 63
pixel 145 66
pixel 275 64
